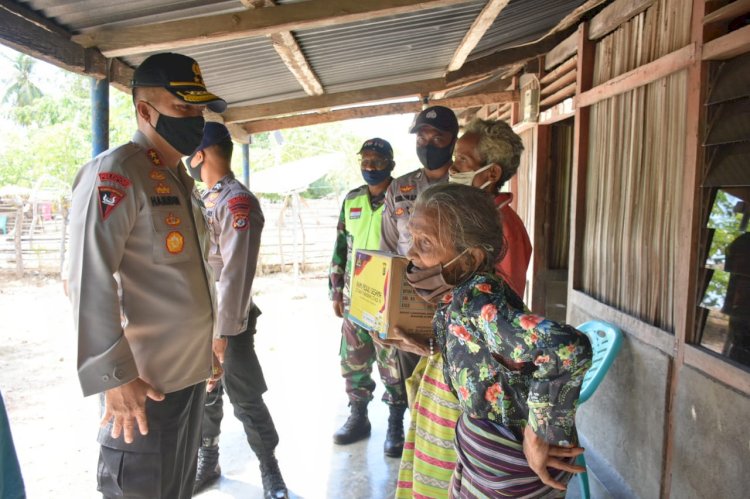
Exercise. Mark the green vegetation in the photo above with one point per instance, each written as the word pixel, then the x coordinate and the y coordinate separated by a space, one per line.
pixel 45 134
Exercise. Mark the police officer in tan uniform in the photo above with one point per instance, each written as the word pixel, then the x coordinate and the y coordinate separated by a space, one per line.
pixel 235 223
pixel 136 219
pixel 436 128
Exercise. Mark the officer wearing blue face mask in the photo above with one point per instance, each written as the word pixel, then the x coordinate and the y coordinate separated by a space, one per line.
pixel 359 228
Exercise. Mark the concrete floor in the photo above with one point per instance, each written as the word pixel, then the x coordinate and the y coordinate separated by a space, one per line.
pixel 297 343
pixel 307 400
pixel 312 465
pixel 54 427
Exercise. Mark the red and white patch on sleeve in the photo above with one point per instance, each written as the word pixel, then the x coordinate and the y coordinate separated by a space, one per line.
pixel 109 198
pixel 115 178
pixel 239 207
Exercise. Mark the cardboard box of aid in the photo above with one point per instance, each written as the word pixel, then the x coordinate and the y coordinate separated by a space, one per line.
pixel 381 297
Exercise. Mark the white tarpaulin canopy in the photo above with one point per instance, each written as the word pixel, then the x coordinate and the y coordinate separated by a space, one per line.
pixel 295 176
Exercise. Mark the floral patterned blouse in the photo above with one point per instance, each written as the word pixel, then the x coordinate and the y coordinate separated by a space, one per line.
pixel 507 365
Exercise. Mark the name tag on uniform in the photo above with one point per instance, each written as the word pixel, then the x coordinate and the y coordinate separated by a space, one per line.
pixel 355 213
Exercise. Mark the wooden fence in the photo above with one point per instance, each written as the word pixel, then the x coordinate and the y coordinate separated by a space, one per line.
pixel 298 236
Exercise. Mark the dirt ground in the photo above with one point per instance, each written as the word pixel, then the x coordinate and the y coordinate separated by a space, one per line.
pixel 54 426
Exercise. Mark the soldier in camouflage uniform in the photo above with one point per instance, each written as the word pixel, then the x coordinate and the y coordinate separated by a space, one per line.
pixel 359 228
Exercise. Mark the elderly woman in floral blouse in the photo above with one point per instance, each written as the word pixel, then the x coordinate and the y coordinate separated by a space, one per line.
pixel 517 376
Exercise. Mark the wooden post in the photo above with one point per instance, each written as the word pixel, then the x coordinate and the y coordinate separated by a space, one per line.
pixel 540 230
pixel 687 249
pixel 515 107
pixel 584 80
pixel 18 231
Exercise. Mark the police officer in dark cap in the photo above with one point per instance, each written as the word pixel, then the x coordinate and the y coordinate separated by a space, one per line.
pixel 235 223
pixel 136 219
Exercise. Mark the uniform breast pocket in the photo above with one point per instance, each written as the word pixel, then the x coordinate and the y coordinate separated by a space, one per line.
pixel 172 233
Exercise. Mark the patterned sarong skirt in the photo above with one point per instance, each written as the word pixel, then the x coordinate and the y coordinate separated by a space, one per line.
pixel 491 464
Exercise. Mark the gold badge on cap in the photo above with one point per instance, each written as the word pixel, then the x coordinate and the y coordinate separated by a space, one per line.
pixel 197 76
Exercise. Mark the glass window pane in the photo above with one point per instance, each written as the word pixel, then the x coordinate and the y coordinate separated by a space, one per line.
pixel 726 300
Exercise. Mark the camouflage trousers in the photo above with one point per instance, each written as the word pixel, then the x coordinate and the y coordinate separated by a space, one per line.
pixel 358 353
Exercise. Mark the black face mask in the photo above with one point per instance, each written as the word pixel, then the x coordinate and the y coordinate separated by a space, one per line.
pixel 184 134
pixel 195 171
pixel 433 157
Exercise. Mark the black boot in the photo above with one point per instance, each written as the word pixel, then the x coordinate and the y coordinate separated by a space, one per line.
pixel 394 437
pixel 273 483
pixel 208 467
pixel 356 427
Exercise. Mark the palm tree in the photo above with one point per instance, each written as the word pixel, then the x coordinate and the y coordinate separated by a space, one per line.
pixel 22 90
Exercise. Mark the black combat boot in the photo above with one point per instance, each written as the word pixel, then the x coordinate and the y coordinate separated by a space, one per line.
pixel 394 437
pixel 273 483
pixel 208 467
pixel 356 427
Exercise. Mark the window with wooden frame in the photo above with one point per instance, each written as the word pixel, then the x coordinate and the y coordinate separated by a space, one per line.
pixel 723 315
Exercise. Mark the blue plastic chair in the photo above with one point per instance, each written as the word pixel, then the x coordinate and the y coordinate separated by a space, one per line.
pixel 605 340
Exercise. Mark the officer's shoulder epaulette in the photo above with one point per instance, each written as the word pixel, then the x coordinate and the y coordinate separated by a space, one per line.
pixel 117 157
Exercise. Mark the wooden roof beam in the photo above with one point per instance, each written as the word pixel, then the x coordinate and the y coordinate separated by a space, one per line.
pixel 521 53
pixel 307 104
pixel 267 125
pixel 290 52
pixel 477 30
pixel 173 35
pixel 26 31
pixel 488 64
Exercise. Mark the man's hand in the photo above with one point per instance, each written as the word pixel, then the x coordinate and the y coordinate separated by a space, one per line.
pixel 541 455
pixel 216 373
pixel 338 308
pixel 404 341
pixel 219 347
pixel 126 407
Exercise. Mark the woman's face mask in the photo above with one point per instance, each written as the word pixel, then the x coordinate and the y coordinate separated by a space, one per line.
pixel 467 178
pixel 430 283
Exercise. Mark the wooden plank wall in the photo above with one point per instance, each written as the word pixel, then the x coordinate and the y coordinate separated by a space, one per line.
pixel 636 156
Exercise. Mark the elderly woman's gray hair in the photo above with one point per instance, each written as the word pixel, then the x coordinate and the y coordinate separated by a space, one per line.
pixel 466 218
pixel 498 143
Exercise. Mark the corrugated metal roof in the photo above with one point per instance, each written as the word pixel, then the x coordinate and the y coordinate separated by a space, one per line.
pixel 387 50
pixel 241 71
pixel 83 15
pixel 345 57
pixel 523 21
